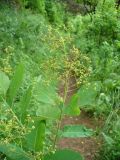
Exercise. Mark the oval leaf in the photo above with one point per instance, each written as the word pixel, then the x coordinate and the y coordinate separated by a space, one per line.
pixel 88 93
pixel 64 154
pixel 13 152
pixel 76 131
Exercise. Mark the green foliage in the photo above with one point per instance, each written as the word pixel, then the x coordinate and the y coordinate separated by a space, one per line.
pixel 52 9
pixel 15 84
pixel 40 4
pixel 40 136
pixel 72 109
pixel 46 100
pixel 24 103
pixel 63 155
pixel 55 12
pixel 13 152
pixel 97 35
pixel 4 84
pixel 23 128
pixel 36 138
pixel 31 110
pixel 88 93
pixel 21 32
pixel 76 131
pixel 111 136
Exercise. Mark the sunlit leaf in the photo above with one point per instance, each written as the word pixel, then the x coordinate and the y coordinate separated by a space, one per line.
pixel 76 131
pixel 64 154
pixel 47 101
pixel 47 111
pixel 72 109
pixel 88 93
pixel 45 93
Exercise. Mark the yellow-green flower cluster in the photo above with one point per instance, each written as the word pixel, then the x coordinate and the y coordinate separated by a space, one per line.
pixel 11 128
pixel 6 66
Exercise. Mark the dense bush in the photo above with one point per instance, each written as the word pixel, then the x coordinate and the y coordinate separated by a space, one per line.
pixel 98 35
pixel 111 136
pixel 52 9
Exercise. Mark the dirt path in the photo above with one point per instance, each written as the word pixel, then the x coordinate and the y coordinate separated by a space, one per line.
pixel 86 146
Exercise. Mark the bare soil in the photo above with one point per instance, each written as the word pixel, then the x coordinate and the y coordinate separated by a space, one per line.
pixel 86 146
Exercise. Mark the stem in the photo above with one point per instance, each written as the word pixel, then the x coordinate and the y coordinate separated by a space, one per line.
pixel 111 115
pixel 61 114
pixel 16 117
pixel 13 113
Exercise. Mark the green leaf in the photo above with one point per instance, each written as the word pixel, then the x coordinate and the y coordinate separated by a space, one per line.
pixel 36 138
pixel 40 136
pixel 72 109
pixel 46 111
pixel 109 83
pixel 47 101
pixel 88 93
pixel 64 154
pixel 76 131
pixel 4 83
pixel 45 94
pixel 15 84
pixel 24 103
pixel 13 152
